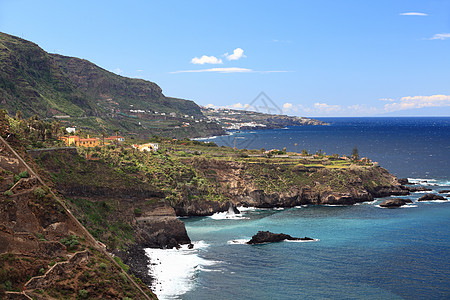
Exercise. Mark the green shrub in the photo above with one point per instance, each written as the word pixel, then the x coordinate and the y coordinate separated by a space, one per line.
pixel 124 277
pixel 24 174
pixel 102 266
pixel 83 294
pixel 121 264
pixel 8 285
pixel 71 242
pixel 40 237
pixel 16 178
pixel 8 193
pixel 39 193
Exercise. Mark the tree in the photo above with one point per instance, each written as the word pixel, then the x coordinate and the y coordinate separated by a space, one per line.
pixel 4 123
pixel 355 154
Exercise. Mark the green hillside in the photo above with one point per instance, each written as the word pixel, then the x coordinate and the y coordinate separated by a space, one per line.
pixel 85 95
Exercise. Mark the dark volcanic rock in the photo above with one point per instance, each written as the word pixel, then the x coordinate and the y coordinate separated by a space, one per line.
pixel 413 189
pixel 382 191
pixel 444 191
pixel 138 262
pixel 232 210
pixel 269 237
pixel 403 181
pixel 394 202
pixel 199 208
pixel 160 228
pixel 431 197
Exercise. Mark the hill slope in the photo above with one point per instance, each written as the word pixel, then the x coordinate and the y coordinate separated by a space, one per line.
pixel 36 82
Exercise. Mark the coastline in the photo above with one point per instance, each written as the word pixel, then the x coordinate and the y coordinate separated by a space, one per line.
pixel 251 218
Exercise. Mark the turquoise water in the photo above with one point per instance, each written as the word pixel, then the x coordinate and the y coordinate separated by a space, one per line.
pixel 362 252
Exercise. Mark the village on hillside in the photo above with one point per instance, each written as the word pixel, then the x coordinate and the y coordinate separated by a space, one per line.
pixel 89 142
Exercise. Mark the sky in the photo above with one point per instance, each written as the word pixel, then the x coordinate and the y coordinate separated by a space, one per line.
pixel 311 58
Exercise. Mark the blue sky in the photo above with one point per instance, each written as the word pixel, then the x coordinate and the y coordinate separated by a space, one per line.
pixel 312 58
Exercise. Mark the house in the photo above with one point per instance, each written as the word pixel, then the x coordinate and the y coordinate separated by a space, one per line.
pixel 147 147
pixel 70 129
pixel 74 140
pixel 114 138
pixel 80 142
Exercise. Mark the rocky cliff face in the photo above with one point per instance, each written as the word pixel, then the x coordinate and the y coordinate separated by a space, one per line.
pixel 265 186
pixel 44 252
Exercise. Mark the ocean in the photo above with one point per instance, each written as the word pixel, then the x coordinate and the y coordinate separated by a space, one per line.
pixel 360 252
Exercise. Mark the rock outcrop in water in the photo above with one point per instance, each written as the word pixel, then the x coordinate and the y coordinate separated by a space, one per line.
pixel 395 202
pixel 268 237
pixel 414 189
pixel 431 197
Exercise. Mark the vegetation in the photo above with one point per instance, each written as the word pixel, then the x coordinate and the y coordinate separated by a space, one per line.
pixel 355 154
pixel 71 242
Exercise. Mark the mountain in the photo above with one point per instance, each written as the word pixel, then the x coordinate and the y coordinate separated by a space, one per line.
pixel 83 94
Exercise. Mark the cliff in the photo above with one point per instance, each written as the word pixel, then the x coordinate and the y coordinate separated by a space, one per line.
pixel 269 185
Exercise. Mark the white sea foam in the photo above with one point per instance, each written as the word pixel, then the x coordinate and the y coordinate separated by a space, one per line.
pixel 409 206
pixel 301 206
pixel 301 241
pixel 435 201
pixel 238 242
pixel 175 271
pixel 403 206
pixel 421 180
pixel 225 215
pixel 279 208
pixel 367 202
pixel 429 182
pixel 245 209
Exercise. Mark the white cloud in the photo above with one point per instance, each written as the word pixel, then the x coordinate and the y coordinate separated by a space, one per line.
pixel 237 54
pixel 140 70
pixel 418 102
pixel 361 109
pixel 231 106
pixel 387 99
pixel 413 14
pixel 287 105
pixel 282 41
pixel 227 70
pixel 440 36
pixel 219 70
pixel 323 107
pixel 206 60
pixel 118 71
pixel 237 105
